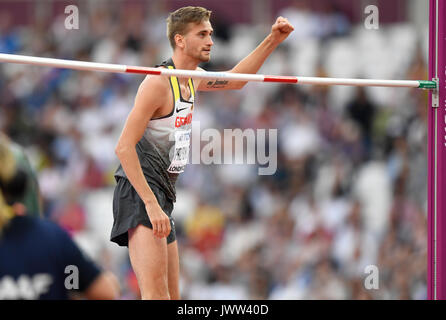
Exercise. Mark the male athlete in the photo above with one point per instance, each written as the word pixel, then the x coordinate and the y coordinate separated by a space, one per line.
pixel 154 148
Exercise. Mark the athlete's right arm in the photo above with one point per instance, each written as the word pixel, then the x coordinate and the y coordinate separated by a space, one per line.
pixel 149 99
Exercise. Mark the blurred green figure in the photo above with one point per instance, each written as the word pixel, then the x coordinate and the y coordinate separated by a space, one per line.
pixel 31 198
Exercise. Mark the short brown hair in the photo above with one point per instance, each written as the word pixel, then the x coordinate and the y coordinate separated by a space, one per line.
pixel 178 21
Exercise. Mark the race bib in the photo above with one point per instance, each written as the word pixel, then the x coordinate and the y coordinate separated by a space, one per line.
pixel 181 151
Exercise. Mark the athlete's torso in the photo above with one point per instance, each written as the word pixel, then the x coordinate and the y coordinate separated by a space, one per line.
pixel 163 150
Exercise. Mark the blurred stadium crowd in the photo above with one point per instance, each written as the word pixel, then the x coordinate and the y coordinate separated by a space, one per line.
pixel 350 189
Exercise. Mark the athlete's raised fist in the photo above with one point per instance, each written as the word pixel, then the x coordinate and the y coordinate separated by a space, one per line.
pixel 281 29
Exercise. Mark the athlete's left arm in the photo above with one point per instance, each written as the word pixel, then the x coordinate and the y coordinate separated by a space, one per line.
pixel 252 63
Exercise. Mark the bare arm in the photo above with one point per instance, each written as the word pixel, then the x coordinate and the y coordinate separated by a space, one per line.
pixel 148 101
pixel 252 63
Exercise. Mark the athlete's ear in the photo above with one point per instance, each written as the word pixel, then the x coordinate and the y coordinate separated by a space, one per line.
pixel 179 40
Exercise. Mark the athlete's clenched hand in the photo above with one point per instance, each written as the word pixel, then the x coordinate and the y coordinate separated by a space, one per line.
pixel 281 29
pixel 159 219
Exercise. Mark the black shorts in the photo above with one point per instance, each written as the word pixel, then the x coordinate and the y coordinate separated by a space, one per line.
pixel 129 211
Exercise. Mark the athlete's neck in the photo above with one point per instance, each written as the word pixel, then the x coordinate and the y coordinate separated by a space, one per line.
pixel 182 62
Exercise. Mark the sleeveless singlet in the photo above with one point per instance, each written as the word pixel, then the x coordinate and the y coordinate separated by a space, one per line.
pixel 163 151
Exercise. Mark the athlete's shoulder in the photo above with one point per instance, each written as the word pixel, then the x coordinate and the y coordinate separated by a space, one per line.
pixel 154 83
pixel 153 89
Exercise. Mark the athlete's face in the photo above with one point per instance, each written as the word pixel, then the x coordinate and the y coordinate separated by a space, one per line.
pixel 198 41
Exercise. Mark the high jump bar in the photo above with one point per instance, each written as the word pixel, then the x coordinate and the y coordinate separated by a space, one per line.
pixel 118 68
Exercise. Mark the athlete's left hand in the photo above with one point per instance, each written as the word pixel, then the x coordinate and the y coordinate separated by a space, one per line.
pixel 281 29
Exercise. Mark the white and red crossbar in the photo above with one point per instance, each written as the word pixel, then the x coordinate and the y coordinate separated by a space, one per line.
pixel 118 68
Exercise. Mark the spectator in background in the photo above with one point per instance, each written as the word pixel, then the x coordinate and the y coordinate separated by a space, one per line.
pixel 299 13
pixel 327 22
pixel 34 253
pixel 9 39
pixel 362 111
pixel 31 196
pixel 332 21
